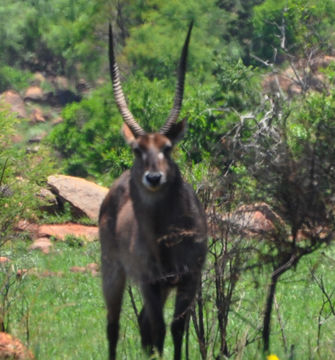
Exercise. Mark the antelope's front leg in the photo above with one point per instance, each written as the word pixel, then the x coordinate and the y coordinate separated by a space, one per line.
pixel 185 295
pixel 113 288
pixel 151 320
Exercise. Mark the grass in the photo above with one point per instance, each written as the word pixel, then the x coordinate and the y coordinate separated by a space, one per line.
pixel 63 316
pixel 65 311
pixel 295 317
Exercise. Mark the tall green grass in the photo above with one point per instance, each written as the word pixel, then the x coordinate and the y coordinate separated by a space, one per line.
pixel 60 314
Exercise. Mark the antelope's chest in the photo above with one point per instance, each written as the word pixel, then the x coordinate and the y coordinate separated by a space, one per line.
pixel 173 261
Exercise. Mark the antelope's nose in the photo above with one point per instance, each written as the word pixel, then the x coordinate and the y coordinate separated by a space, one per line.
pixel 153 178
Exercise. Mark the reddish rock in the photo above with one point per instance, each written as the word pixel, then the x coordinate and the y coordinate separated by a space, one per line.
pixel 60 231
pixel 4 260
pixel 24 225
pixel 78 269
pixel 34 93
pixel 85 196
pixel 255 219
pixel 91 268
pixel 37 116
pixel 49 273
pixel 43 244
pixel 15 102
pixel 11 348
pixel 57 120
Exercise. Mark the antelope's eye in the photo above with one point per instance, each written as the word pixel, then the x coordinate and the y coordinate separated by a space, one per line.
pixel 167 149
pixel 137 151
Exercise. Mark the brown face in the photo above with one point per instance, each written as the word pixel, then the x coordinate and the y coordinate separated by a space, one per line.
pixel 153 162
pixel 153 167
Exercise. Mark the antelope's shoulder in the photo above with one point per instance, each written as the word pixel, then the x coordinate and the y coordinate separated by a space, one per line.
pixel 117 196
pixel 194 212
pixel 190 199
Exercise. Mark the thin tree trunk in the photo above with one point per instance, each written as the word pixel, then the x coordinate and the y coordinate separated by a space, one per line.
pixel 268 312
pixel 286 265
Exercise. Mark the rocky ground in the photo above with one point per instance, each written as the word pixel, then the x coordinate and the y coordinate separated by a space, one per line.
pixel 43 101
pixel 84 198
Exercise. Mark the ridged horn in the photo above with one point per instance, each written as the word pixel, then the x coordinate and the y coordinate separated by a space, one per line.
pixel 174 113
pixel 118 93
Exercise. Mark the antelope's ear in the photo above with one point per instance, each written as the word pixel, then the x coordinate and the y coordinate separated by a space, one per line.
pixel 128 134
pixel 177 131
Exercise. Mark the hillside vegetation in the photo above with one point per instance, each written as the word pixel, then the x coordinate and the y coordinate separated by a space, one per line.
pixel 260 104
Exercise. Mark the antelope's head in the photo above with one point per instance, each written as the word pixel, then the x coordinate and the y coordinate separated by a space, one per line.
pixel 153 165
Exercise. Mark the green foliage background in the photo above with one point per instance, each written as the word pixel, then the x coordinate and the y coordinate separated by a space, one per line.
pixel 223 80
pixel 234 47
pixel 22 175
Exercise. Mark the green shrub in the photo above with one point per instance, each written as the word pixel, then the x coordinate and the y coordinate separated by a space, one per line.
pixel 89 138
pixel 13 78
pixel 21 176
pixel 302 24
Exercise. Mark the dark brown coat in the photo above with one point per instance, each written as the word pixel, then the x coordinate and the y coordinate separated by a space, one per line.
pixel 152 230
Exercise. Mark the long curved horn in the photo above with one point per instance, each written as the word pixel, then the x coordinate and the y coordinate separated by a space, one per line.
pixel 174 113
pixel 118 93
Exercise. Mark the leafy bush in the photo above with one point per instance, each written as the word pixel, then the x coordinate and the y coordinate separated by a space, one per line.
pixel 155 43
pixel 51 37
pixel 12 78
pixel 89 138
pixel 283 157
pixel 71 36
pixel 293 26
pixel 21 175
pixel 13 29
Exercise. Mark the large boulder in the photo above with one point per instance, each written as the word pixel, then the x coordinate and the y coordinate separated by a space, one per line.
pixel 256 218
pixel 12 348
pixel 83 195
pixel 34 93
pixel 252 220
pixel 15 102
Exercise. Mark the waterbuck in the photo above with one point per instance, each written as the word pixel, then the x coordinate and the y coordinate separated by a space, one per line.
pixel 152 226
